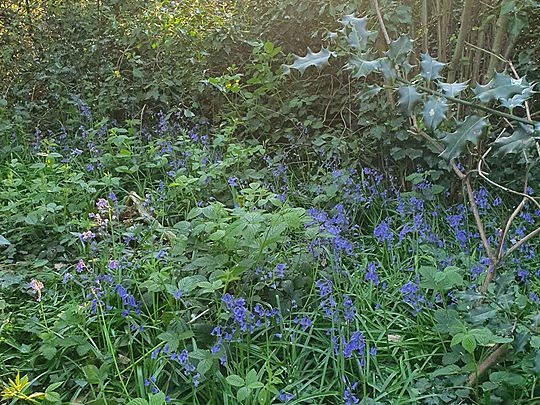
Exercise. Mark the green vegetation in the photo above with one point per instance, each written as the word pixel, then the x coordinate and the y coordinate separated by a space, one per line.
pixel 293 202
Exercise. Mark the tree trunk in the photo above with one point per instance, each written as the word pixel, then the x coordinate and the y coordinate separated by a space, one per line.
pixel 464 30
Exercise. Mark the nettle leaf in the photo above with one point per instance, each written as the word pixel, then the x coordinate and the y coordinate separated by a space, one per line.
pixel 317 59
pixel 501 86
pixel 430 67
pixel 408 99
pixel 452 89
pixel 400 49
pixel 521 139
pixel 361 66
pixel 434 112
pixel 359 35
pixel 469 130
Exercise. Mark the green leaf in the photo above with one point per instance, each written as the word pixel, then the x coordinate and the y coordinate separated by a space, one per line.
pixel 157 399
pixel 452 89
pixel 469 343
pixel 138 401
pixel 430 67
pixel 251 377
pixel 48 351
pixel 446 370
pixel 501 86
pixel 242 394
pixel 434 112
pixel 235 380
pixel 92 374
pixel 301 63
pixel 535 342
pixel 518 100
pixel 507 378
pixel 362 67
pixel 447 321
pixel 4 241
pixel 399 49
pixel 408 99
pixel 521 139
pixel 469 130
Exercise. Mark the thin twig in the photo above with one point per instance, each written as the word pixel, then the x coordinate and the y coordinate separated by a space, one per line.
pixel 526 238
pixel 375 4
pixel 492 359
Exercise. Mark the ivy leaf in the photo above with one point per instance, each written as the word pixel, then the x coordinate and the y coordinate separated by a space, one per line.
pixel 430 67
pixel 359 35
pixel 452 89
pixel 317 59
pixel 468 130
pixel 362 67
pixel 408 98
pixel 521 139
pixel 501 86
pixel 399 49
pixel 434 112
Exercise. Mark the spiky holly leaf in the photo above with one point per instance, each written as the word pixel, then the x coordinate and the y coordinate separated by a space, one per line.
pixel 359 35
pixel 399 49
pixel 521 139
pixel 386 67
pixel 408 99
pixel 469 130
pixel 452 89
pixel 500 87
pixel 430 67
pixel 362 66
pixel 518 100
pixel 317 59
pixel 434 112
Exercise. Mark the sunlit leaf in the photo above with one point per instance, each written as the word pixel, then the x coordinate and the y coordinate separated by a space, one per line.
pixel 521 139
pixel 317 59
pixel 434 112
pixel 500 87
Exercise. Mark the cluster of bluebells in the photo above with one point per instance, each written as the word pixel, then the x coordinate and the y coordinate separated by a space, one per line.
pixel 272 277
pixel 241 322
pixel 412 295
pixel 334 230
pixel 331 309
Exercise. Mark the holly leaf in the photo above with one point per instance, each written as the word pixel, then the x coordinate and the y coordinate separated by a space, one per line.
pixel 521 139
pixel 386 67
pixel 452 89
pixel 469 130
pixel 434 112
pixel 500 87
pixel 359 35
pixel 362 67
pixel 518 100
pixel 317 59
pixel 4 241
pixel 399 49
pixel 408 99
pixel 430 67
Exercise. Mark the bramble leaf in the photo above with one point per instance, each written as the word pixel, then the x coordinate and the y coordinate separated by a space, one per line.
pixel 452 89
pixel 434 112
pixel 317 59
pixel 430 67
pixel 408 99
pixel 469 130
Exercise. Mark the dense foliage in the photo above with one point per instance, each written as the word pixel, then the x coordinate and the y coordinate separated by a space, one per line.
pixel 207 202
